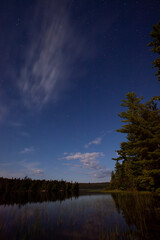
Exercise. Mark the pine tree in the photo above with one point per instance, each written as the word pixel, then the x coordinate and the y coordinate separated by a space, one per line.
pixel 155 44
pixel 140 154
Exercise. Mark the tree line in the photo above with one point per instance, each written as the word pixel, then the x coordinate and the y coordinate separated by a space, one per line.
pixel 28 185
pixel 138 159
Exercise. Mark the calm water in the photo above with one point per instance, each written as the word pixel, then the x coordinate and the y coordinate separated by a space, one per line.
pixel 102 216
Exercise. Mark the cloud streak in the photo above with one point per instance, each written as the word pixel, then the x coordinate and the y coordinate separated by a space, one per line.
pixel 20 169
pixel 103 173
pixel 96 141
pixel 30 168
pixel 54 48
pixel 89 161
pixel 27 150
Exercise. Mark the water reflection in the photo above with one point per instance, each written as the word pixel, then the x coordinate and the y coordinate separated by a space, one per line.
pixel 30 197
pixel 142 210
pixel 116 216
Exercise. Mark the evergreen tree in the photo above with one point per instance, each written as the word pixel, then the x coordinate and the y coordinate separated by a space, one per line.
pixel 155 44
pixel 140 154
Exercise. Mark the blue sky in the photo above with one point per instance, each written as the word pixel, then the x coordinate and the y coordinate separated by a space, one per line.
pixel 65 67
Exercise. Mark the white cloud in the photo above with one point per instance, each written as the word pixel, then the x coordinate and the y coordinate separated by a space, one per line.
pixel 103 173
pixel 83 156
pixel 20 169
pixel 30 168
pixel 88 160
pixel 38 171
pixel 95 141
pixel 27 150
pixel 11 173
pixel 55 46
pixel 65 153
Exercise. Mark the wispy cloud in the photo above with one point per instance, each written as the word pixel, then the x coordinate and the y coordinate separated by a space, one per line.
pixel 89 161
pixel 54 48
pixel 65 153
pixel 94 142
pixel 31 168
pixel 27 150
pixel 4 164
pixel 67 164
pixel 20 169
pixel 38 171
pixel 103 173
pixel 11 173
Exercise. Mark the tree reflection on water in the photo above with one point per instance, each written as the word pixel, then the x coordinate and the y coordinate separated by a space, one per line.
pixel 142 210
pixel 60 216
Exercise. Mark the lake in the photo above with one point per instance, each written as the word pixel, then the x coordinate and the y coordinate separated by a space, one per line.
pixel 89 216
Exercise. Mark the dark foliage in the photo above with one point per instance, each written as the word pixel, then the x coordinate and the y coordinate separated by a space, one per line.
pixel 155 44
pixel 28 185
pixel 138 162
pixel 93 186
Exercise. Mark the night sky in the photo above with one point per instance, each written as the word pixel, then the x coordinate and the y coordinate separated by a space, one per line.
pixel 65 66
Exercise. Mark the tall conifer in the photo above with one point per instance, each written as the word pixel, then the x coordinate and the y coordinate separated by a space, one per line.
pixel 140 154
pixel 155 44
